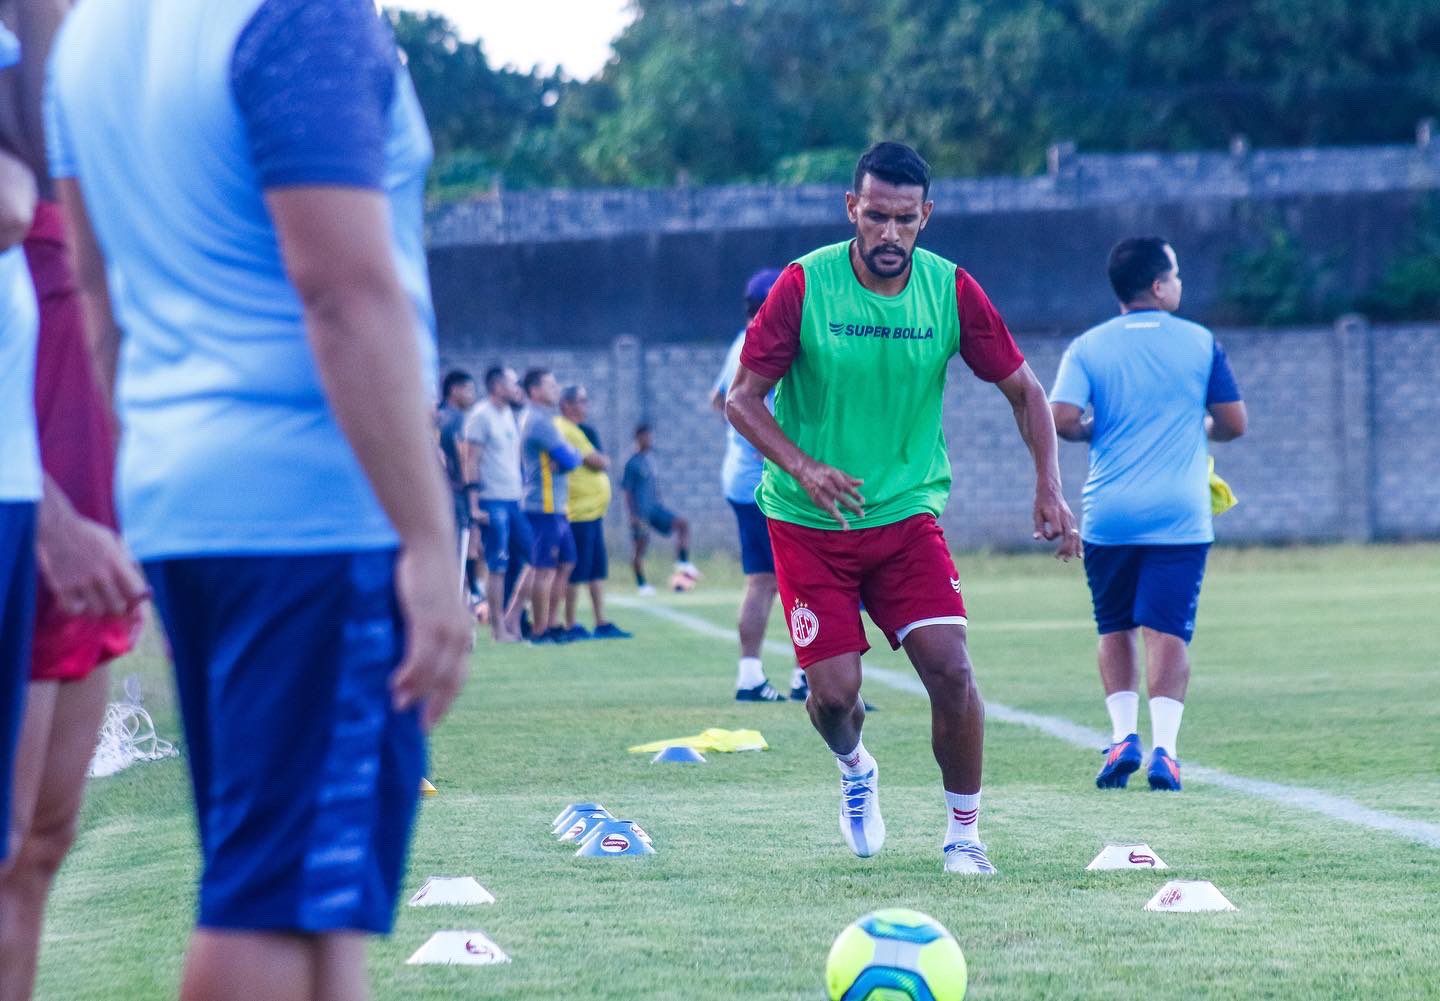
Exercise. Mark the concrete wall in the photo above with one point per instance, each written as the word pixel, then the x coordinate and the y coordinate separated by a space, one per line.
pixel 1342 441
pixel 579 267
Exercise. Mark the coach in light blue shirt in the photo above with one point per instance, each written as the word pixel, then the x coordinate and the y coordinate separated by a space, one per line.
pixel 250 175
pixel 1156 386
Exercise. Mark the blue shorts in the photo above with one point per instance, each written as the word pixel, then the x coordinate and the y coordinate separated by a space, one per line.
pixel 505 536
pixel 592 562
pixel 17 627
pixel 756 555
pixel 660 518
pixel 554 542
pixel 1153 586
pixel 306 780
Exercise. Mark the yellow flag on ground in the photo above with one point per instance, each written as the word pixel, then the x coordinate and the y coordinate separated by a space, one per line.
pixel 1222 498
pixel 713 739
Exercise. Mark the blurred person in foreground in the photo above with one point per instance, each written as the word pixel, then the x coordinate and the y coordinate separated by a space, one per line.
pixel 858 336
pixel 87 586
pixel 1157 387
pixel 590 493
pixel 739 478
pixel 251 174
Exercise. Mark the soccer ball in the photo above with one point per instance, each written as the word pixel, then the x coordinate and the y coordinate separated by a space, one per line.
pixel 896 955
pixel 681 582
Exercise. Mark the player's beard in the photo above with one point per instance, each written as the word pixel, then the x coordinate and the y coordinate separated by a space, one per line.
pixel 870 254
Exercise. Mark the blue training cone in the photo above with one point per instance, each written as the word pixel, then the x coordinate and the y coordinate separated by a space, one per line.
pixel 583 825
pixel 614 845
pixel 567 816
pixel 683 755
pixel 616 827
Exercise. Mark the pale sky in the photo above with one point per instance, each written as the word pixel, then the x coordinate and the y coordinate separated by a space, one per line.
pixel 575 34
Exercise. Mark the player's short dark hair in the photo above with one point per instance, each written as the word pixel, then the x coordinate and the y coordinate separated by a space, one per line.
pixel 454 377
pixel 571 393
pixel 894 163
pixel 1134 265
pixel 533 378
pixel 641 429
pixel 494 375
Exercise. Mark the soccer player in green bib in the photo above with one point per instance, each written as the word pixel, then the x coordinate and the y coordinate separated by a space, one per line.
pixel 855 339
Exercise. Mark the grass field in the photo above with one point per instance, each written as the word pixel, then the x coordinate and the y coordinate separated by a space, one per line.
pixel 1315 668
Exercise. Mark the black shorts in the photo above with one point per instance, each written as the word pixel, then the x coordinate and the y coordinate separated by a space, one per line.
pixel 592 562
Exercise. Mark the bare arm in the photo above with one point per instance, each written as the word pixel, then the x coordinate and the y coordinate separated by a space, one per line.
pixel 596 461
pixel 1071 422
pixel 17 200
pixel 1053 519
pixel 83 563
pixel 830 488
pixel 1227 421
pixel 335 245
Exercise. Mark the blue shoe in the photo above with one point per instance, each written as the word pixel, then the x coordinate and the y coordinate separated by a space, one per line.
pixel 800 692
pixel 763 692
pixel 1164 771
pixel 1121 758
pixel 557 634
pixel 576 633
pixel 610 631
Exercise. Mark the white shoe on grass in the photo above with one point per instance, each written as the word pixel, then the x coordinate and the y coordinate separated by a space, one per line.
pixel 860 822
pixel 646 590
pixel 968 857
pixel 688 569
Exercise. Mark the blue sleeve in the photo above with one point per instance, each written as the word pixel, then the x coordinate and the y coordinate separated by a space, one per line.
pixel 564 457
pixel 58 146
pixel 1072 383
pixel 1223 388
pixel 548 439
pixel 314 80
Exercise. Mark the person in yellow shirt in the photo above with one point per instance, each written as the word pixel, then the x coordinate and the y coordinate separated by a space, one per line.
pixel 589 500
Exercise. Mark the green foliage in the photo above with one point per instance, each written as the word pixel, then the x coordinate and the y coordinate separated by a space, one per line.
pixel 1270 285
pixel 1409 288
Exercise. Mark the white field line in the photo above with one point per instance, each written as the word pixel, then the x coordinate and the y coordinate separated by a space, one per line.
pixel 1298 797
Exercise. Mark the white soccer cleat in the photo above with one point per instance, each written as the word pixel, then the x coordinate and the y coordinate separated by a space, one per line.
pixel 645 591
pixel 688 569
pixel 968 857
pixel 860 822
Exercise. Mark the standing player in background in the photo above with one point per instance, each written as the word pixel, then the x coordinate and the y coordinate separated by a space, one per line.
pixel 492 451
pixel 88 585
pixel 251 172
pixel 859 336
pixel 641 484
pixel 1151 378
pixel 740 478
pixel 589 500
pixel 546 461
pixel 457 396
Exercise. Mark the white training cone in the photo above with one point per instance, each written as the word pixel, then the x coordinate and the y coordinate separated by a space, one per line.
pixel 459 891
pixel 458 948
pixel 1113 856
pixel 1189 895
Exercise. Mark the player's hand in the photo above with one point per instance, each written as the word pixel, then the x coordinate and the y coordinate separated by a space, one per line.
pixel 831 489
pixel 87 567
pixel 1053 520
pixel 439 633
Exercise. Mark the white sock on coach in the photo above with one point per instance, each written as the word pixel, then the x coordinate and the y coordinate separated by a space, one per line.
pixel 857 762
pixel 1124 709
pixel 750 673
pixel 964 813
pixel 1165 724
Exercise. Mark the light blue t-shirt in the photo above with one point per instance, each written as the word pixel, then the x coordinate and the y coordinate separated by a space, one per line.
pixel 176 116
pixel 743 464
pixel 19 327
pixel 1149 377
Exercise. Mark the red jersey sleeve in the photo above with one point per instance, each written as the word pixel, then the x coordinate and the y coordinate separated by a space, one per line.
pixel 985 341
pixel 773 338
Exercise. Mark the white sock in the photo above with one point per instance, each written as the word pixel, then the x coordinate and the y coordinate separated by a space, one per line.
pixel 750 674
pixel 857 762
pixel 1165 724
pixel 1124 709
pixel 964 813
pixel 797 677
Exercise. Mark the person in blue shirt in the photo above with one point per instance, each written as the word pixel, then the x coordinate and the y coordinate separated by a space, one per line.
pixel 740 478
pixel 249 174
pixel 1157 387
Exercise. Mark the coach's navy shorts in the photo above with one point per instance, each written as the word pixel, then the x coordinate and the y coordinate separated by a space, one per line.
pixel 756 556
pixel 505 536
pixel 592 562
pixel 17 627
pixel 1153 586
pixel 305 778
pixel 554 542
pixel 660 518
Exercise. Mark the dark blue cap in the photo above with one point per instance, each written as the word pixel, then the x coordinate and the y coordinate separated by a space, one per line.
pixel 758 287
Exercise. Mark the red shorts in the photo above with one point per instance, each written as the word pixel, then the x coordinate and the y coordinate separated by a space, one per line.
pixel 77 449
pixel 903 573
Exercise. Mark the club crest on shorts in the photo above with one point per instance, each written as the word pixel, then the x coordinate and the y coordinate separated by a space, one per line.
pixel 804 624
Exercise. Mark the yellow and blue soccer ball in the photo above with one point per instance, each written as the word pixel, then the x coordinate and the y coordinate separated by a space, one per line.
pixel 896 955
